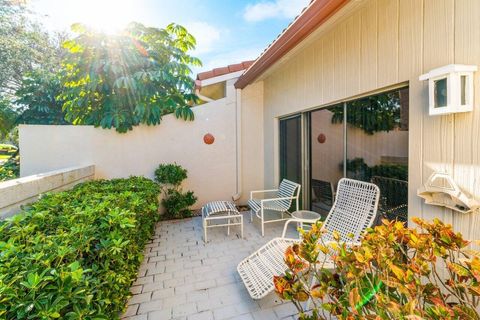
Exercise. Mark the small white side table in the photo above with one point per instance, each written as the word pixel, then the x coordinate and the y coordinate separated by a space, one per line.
pixel 306 216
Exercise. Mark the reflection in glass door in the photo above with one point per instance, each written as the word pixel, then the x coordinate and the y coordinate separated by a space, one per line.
pixel 364 139
pixel 377 148
pixel 291 149
pixel 326 149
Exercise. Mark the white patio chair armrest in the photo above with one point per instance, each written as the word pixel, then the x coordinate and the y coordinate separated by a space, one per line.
pixel 275 199
pixel 279 198
pixel 261 191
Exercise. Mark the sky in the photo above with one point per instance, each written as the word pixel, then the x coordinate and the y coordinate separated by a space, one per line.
pixel 227 31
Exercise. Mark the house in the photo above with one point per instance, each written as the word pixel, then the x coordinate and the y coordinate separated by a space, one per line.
pixel 339 55
pixel 336 94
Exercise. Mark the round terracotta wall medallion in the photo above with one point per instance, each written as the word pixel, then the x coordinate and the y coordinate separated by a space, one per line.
pixel 208 138
pixel 321 138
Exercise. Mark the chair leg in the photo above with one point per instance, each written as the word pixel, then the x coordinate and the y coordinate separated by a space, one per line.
pixel 241 226
pixel 263 225
pixel 228 227
pixel 251 215
pixel 205 230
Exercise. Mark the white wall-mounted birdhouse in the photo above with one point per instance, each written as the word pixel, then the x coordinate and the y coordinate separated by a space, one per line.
pixel 450 89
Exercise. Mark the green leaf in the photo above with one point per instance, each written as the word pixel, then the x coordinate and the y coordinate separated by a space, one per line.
pixel 144 72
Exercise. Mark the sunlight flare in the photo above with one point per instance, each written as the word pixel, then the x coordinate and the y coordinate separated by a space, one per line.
pixel 107 16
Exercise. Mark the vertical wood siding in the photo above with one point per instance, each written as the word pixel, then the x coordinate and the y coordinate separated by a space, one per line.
pixel 383 43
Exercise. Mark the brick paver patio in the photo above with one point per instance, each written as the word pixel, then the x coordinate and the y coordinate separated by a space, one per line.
pixel 183 278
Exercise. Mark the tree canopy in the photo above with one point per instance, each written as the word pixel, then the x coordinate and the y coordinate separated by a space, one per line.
pixel 113 81
pixel 24 45
pixel 7 117
pixel 38 98
pixel 26 50
pixel 128 79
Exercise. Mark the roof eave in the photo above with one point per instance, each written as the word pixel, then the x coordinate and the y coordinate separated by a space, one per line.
pixel 317 13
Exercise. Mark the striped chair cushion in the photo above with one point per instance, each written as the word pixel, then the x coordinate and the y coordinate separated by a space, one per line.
pixel 218 207
pixel 287 189
pixel 255 205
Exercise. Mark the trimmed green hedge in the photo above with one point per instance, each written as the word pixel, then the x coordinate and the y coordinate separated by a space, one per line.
pixel 75 254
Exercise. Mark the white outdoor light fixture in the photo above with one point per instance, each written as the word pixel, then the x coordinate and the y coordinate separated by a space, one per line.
pixel 450 89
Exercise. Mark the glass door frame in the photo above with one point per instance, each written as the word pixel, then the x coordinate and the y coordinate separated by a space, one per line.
pixel 307 165
pixel 304 160
pixel 281 167
pixel 307 175
pixel 306 147
pixel 306 141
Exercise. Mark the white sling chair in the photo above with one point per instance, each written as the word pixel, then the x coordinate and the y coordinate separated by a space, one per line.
pixel 353 211
pixel 286 193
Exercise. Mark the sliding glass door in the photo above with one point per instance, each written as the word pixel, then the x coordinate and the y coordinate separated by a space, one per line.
pixel 291 149
pixel 377 148
pixel 364 139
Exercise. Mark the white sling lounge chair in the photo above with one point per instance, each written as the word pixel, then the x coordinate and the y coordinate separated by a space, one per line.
pixel 286 193
pixel 353 211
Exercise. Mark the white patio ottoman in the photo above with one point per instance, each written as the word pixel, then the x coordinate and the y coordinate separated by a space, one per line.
pixel 221 210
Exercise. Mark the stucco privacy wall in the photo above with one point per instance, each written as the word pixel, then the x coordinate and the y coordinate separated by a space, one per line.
pixel 17 192
pixel 374 44
pixel 252 139
pixel 211 168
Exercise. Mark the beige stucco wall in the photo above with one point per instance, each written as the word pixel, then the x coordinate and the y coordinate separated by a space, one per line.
pixel 212 169
pixel 252 139
pixel 374 44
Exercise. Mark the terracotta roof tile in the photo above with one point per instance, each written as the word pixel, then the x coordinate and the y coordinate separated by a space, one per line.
pixel 205 75
pixel 220 71
pixel 224 70
pixel 236 67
